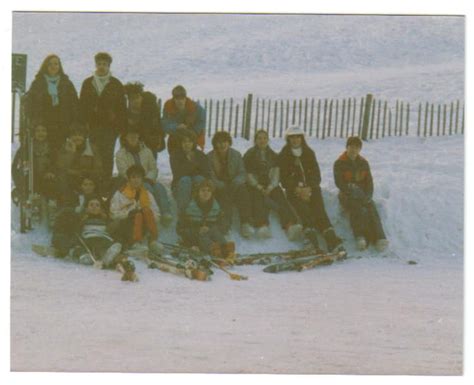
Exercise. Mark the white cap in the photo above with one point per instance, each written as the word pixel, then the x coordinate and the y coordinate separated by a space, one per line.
pixel 294 130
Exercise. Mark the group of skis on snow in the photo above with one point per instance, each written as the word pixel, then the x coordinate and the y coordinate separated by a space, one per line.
pixel 63 174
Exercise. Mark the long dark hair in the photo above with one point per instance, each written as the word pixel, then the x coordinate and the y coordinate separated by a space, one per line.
pixel 44 66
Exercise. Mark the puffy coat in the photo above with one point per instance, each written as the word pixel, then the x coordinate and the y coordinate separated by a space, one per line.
pixel 82 161
pixel 124 159
pixel 181 166
pixel 262 167
pixel 235 172
pixel 353 171
pixel 121 205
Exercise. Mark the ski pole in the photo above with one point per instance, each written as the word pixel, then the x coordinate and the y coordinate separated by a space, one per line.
pixel 97 264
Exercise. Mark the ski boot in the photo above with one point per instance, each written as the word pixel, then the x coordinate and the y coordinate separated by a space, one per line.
pixel 333 242
pixel 311 235
pixel 361 243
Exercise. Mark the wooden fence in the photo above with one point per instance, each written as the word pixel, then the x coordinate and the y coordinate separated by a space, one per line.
pixel 367 117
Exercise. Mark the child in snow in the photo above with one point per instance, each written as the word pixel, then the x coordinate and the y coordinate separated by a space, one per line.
pixel 353 178
pixel 301 177
pixel 263 179
pixel 135 212
pixel 199 225
pixel 94 234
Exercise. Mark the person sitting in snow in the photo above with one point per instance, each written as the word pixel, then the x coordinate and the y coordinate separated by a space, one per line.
pixel 354 180
pixel 131 152
pixel 199 226
pixel 263 179
pixel 77 157
pixel 135 213
pixel 179 113
pixel 301 178
pixel 229 176
pixel 144 114
pixel 94 236
pixel 189 166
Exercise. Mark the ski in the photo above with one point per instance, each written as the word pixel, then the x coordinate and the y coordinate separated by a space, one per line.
pixel 307 262
pixel 271 257
pixel 122 264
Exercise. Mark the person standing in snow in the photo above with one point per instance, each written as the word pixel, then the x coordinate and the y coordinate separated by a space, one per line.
pixel 229 176
pixel 133 152
pixel 263 179
pixel 189 166
pixel 301 178
pixel 52 100
pixel 143 113
pixel 135 213
pixel 102 107
pixel 354 180
pixel 181 113
pixel 199 226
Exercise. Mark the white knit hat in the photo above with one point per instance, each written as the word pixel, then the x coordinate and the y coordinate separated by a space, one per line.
pixel 294 130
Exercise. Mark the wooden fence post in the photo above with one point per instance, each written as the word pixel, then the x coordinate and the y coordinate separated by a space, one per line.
pixel 231 108
pixel 248 116
pixel 317 119
pixel 244 116
pixel 438 125
pixel 384 118
pixel 365 126
pixel 324 119
pixel 378 119
pixel 372 119
pixel 425 129
pixel 217 117
pixel 305 121
pixel 311 119
pixel 418 132
pixel 268 115
pixel 210 119
pixel 342 117
pixel 444 120
pixel 401 119
pixel 361 114
pixel 408 119
pixel 281 118
pixel 257 106
pixel 236 124
pixel 348 116
pixel 457 117
pixel 431 120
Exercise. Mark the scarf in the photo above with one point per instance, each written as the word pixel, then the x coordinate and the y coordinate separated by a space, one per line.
pixel 53 82
pixel 100 82
pixel 297 151
pixel 141 195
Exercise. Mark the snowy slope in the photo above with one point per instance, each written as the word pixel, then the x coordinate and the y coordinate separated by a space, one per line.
pixel 371 315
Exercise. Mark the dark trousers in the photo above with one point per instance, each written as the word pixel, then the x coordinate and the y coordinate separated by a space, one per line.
pixel 104 140
pixel 98 246
pixel 122 231
pixel 276 200
pixel 364 218
pixel 229 196
pixel 191 237
pixel 313 213
pixel 66 228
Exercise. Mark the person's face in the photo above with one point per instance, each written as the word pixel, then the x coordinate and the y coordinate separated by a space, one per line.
pixel 135 101
pixel 78 140
pixel 222 147
pixel 187 145
pixel 353 150
pixel 261 140
pixel 87 186
pixel 180 103
pixel 295 141
pixel 205 194
pixel 94 207
pixel 102 67
pixel 41 133
pixel 53 66
pixel 136 181
pixel 132 139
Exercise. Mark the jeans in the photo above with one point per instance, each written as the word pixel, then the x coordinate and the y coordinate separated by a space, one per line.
pixel 184 189
pixel 161 196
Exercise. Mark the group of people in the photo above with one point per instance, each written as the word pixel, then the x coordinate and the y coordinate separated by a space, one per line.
pixel 73 160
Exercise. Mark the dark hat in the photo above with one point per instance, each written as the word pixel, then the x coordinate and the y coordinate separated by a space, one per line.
pixel 354 140
pixel 179 92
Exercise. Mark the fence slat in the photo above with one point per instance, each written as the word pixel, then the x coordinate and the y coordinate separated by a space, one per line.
pixel 438 121
pixel 262 123
pixel 444 120
pixel 462 120
pixel 223 116
pixel 217 117
pixel 311 118
pixel 354 116
pixel 300 108
pixel 426 120
pixel 431 121
pixel 348 116
pixel 378 118
pixel 244 113
pixel 457 117
pixel 210 118
pixel 305 121
pixel 397 106
pixel 236 120
pixel 231 110
pixel 268 116
pixel 343 111
pixel 384 118
pixel 323 134
pixel 317 120
pixel 390 121
pixel 275 107
pixel 418 132
pixel 257 108
pixel 408 119
pixel 336 118
pixel 372 113
pixel 361 114
pixel 294 112
pixel 329 119
pixel 281 118
pixel 451 119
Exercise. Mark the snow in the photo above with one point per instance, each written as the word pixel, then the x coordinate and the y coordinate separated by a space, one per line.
pixel 373 315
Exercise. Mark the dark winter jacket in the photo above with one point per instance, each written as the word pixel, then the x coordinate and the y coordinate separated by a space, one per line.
pixel 148 122
pixel 234 173
pixel 262 167
pixel 42 163
pixel 193 116
pixel 181 166
pixel 95 226
pixel 356 171
pixel 298 171
pixel 39 107
pixel 83 161
pixel 105 112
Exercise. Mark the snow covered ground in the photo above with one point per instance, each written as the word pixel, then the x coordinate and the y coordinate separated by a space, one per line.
pixel 374 315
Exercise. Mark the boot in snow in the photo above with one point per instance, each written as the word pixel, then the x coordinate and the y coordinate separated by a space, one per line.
pixel 332 240
pixel 381 245
pixel 294 232
pixel 111 254
pixel 247 231
pixel 264 232
pixel 312 236
pixel 156 247
pixel 361 243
